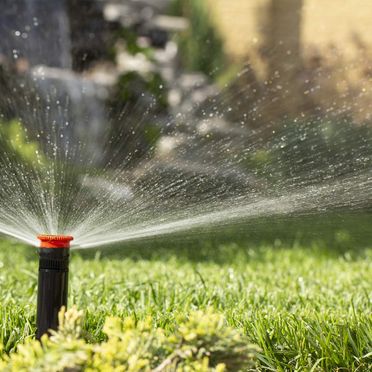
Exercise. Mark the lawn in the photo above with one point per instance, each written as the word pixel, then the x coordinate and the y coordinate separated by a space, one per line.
pixel 307 307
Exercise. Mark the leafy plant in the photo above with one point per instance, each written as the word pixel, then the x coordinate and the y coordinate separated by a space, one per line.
pixel 131 86
pixel 201 46
pixel 201 342
pixel 13 138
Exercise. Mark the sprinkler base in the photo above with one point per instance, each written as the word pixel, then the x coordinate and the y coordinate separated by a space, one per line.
pixel 54 254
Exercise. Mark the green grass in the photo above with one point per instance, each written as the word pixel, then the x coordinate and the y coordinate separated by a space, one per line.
pixel 307 307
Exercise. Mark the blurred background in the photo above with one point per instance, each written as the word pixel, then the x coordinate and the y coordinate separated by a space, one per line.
pixel 288 45
pixel 254 68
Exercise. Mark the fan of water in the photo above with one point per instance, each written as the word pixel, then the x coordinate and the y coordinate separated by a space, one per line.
pixel 69 167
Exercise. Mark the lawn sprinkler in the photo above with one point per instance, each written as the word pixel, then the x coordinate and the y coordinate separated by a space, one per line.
pixel 54 253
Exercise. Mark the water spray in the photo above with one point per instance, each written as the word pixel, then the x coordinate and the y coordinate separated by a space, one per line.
pixel 54 256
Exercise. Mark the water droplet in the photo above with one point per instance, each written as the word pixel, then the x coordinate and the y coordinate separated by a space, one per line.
pixel 15 53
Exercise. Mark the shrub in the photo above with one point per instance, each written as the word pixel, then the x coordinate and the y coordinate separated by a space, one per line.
pixel 15 143
pixel 200 342
pixel 201 46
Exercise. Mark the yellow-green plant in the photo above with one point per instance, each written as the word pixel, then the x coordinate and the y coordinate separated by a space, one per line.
pixel 14 141
pixel 200 342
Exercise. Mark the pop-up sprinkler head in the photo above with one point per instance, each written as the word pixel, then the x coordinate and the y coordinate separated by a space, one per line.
pixel 54 255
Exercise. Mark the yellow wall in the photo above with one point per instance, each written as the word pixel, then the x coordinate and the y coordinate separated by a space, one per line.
pixel 325 22
pixel 237 22
pixel 337 22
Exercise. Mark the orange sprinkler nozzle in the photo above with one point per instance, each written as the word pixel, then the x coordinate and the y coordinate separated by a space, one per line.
pixel 55 241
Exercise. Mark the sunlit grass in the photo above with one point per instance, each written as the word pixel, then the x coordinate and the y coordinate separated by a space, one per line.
pixel 306 307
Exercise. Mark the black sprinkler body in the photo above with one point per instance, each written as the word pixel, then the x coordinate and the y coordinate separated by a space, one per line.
pixel 54 254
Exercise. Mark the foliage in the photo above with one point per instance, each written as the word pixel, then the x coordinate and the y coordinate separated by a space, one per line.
pixel 132 85
pixel 131 42
pixel 304 306
pixel 201 46
pixel 200 342
pixel 139 99
pixel 14 140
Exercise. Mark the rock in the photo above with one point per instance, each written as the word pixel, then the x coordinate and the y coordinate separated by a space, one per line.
pixel 59 88
pixel 37 31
